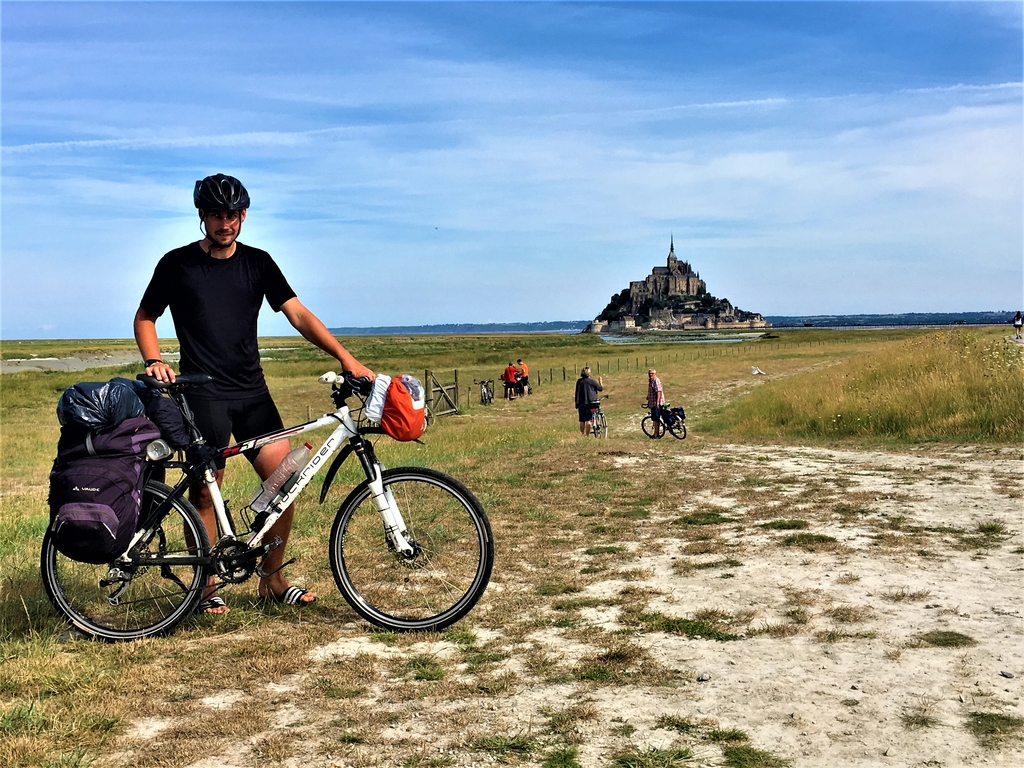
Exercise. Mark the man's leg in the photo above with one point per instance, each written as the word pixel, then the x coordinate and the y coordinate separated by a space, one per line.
pixel 201 499
pixel 270 456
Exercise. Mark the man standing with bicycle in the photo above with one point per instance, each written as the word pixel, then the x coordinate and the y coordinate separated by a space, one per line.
pixel 587 398
pixel 655 401
pixel 215 288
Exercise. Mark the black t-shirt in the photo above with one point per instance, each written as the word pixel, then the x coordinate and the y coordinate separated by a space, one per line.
pixel 215 304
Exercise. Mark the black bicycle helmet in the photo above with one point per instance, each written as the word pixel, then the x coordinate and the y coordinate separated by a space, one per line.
pixel 220 193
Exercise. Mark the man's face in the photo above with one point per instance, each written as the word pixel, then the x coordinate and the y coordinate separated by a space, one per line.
pixel 651 374
pixel 222 227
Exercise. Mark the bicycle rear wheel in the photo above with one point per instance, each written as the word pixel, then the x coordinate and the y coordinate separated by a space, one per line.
pixel 678 429
pixel 446 574
pixel 138 598
pixel 599 425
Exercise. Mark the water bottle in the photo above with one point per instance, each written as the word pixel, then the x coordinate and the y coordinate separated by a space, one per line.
pixel 289 466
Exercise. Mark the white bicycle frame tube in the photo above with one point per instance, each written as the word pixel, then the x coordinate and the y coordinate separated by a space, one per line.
pixel 394 525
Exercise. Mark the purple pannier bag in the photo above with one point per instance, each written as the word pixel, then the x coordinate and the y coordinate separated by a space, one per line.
pixel 96 489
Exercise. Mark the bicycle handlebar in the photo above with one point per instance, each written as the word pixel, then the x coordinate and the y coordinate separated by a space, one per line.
pixel 182 380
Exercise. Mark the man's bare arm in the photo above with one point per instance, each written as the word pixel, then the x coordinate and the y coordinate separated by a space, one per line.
pixel 149 346
pixel 316 333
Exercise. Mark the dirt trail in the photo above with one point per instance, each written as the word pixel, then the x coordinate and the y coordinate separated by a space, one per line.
pixel 842 653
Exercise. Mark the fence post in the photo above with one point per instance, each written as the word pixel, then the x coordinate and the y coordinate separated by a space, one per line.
pixel 429 386
pixel 551 375
pixel 563 373
pixel 456 389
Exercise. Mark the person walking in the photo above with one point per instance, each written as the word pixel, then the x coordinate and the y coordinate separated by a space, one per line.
pixel 587 398
pixel 1018 321
pixel 655 401
pixel 214 289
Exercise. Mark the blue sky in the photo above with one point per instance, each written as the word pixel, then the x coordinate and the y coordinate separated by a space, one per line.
pixel 415 163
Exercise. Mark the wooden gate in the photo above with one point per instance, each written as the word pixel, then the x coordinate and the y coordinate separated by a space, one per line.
pixel 442 399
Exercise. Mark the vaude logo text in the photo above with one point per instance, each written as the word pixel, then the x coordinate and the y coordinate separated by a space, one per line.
pixel 94 490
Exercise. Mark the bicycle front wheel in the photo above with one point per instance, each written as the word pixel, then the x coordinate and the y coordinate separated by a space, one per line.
pixel 678 429
pixel 147 596
pixel 649 426
pixel 448 570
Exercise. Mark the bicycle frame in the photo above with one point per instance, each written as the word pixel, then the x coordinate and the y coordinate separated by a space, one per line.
pixel 345 433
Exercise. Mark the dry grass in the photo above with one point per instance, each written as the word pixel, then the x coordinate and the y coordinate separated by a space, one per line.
pixel 574 521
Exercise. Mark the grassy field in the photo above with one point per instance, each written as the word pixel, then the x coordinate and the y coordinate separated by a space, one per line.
pixel 567 513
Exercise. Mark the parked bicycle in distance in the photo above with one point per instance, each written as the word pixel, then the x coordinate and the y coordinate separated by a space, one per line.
pixel 486 391
pixel 672 420
pixel 598 421
pixel 410 548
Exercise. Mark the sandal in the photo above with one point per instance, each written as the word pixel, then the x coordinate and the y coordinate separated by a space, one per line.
pixel 291 596
pixel 211 604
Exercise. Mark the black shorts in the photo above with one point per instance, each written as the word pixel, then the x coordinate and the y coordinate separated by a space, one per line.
pixel 586 412
pixel 218 420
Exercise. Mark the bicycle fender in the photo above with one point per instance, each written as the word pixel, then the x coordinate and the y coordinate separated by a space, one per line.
pixel 335 466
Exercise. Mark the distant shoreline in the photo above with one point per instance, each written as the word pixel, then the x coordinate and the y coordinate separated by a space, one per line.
pixel 777 321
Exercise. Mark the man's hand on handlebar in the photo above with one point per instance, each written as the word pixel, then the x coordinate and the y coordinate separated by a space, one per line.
pixel 160 371
pixel 357 370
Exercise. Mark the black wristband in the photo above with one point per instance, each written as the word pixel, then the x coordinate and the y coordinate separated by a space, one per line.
pixel 154 361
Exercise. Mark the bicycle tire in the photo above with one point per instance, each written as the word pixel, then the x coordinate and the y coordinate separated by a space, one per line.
pixel 678 429
pixel 156 598
pixel 599 426
pixel 648 426
pixel 444 579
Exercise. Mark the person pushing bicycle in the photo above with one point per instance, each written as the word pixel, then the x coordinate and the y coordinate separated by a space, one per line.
pixel 214 289
pixel 655 400
pixel 587 399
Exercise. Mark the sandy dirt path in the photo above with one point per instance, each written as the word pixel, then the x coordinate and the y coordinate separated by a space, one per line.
pixel 872 639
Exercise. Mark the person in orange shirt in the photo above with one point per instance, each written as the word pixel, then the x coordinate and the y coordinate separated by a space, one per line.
pixel 524 378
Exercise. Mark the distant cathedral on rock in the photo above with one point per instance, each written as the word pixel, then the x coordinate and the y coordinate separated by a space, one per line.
pixel 672 297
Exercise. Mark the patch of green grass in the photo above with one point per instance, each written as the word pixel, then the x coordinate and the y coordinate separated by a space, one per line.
pixel 656 622
pixel 562 720
pixel 702 518
pixel 743 756
pixel 675 723
pixel 728 562
pixel 604 550
pixel 519 744
pixel 942 638
pixel 551 588
pixel 992 729
pixel 632 513
pixel 463 637
pixel 915 719
pixel 562 757
pixel 991 528
pixel 727 734
pixel 425 667
pixel 652 758
pixel 785 525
